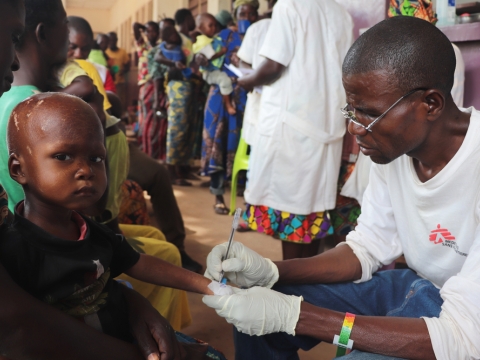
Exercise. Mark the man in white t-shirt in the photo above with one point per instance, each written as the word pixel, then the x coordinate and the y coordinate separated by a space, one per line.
pixel 423 200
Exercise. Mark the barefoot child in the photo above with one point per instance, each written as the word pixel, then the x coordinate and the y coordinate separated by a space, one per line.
pixel 57 154
pixel 210 51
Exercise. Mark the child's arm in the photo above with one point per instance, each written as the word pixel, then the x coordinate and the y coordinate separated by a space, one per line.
pixel 157 271
pixel 222 52
pixel 83 87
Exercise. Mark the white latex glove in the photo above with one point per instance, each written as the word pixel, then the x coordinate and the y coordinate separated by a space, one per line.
pixel 258 311
pixel 243 267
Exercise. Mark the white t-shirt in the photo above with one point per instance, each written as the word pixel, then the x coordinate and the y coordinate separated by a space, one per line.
pixel 250 53
pixel 459 78
pixel 297 148
pixel 436 225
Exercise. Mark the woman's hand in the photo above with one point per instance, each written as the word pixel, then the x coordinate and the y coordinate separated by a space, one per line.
pixel 155 336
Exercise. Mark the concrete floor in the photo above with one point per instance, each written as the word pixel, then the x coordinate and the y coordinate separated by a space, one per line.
pixel 205 229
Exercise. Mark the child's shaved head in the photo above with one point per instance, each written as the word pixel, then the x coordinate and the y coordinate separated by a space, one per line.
pixel 206 24
pixel 45 113
pixel 57 152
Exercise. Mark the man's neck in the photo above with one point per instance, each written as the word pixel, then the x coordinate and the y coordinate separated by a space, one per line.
pixel 33 71
pixel 444 140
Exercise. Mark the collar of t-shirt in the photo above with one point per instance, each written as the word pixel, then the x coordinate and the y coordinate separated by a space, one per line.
pixel 76 218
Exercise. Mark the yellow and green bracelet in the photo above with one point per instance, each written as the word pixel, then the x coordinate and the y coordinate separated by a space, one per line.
pixel 343 340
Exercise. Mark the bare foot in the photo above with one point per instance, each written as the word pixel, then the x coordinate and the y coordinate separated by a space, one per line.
pixel 229 105
pixel 230 109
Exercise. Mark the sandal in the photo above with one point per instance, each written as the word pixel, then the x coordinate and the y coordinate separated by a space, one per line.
pixel 221 209
pixel 243 227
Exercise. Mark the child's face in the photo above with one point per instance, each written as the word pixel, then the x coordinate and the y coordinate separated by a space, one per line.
pixel 12 23
pixel 208 26
pixel 63 155
pixel 80 45
pixel 175 39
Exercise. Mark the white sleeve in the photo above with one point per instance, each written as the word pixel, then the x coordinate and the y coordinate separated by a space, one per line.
pixel 455 334
pixel 458 78
pixel 247 49
pixel 279 43
pixel 375 240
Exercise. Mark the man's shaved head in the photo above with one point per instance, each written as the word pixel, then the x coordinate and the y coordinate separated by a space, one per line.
pixel 413 51
pixel 49 113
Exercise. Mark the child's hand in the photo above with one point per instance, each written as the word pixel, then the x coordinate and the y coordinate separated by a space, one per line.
pixel 220 289
pixel 201 60
pixel 180 65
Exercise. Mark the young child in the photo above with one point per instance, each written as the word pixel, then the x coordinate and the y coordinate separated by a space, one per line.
pixel 57 154
pixel 210 51
pixel 171 55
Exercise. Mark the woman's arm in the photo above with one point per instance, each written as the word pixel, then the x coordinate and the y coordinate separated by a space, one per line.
pixel 30 329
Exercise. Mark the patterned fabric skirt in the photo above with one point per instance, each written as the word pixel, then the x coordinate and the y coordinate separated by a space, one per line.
pixel 133 207
pixel 152 129
pixel 180 127
pixel 302 229
pixel 347 210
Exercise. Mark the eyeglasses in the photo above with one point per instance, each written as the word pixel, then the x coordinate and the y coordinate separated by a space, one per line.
pixel 350 115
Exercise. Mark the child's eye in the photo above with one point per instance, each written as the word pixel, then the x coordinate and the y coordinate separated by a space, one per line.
pixel 96 159
pixel 63 157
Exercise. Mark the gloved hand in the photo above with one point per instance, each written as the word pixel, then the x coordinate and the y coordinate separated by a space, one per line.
pixel 243 267
pixel 258 311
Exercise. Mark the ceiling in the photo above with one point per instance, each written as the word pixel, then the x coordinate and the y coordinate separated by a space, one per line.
pixel 91 4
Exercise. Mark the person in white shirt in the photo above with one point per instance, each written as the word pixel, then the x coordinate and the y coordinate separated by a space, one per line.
pixel 249 53
pixel 295 156
pixel 423 200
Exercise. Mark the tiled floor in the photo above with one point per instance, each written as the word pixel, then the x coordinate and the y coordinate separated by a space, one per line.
pixel 205 229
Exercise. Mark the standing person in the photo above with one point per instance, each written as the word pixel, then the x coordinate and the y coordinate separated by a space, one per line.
pixel 119 62
pixel 221 130
pixel 422 200
pixel 146 39
pixel 297 148
pixel 186 25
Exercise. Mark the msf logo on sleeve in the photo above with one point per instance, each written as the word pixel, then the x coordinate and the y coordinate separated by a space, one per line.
pixel 444 237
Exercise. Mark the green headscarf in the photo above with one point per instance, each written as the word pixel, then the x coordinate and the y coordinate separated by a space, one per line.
pixel 238 3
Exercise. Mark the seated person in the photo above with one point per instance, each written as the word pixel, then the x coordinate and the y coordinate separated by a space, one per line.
pixel 51 250
pixel 422 200
pixel 210 52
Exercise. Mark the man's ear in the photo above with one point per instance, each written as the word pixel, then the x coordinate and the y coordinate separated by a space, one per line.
pixel 40 34
pixel 15 169
pixel 434 101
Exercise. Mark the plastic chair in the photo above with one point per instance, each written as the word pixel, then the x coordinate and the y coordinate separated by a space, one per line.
pixel 239 163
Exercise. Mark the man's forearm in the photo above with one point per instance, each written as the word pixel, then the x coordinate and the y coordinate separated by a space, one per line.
pixel 30 329
pixel 267 73
pixel 335 265
pixel 392 336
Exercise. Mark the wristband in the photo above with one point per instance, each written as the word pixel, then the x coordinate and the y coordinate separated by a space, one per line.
pixel 343 340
